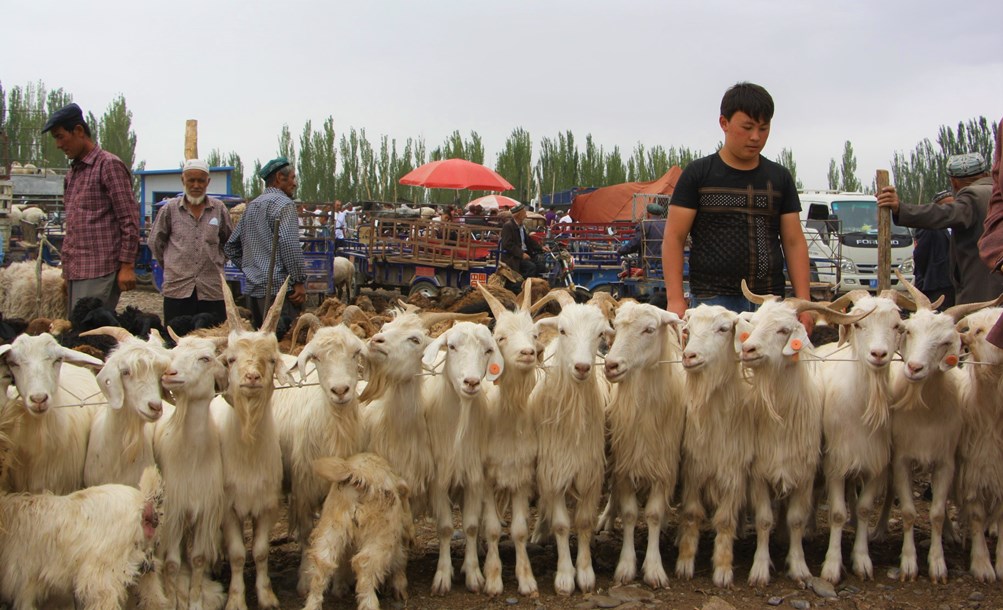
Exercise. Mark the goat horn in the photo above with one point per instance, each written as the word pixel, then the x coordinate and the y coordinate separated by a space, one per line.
pixel 922 301
pixel 758 299
pixel 232 316
pixel 173 335
pixel 902 300
pixel 960 311
pixel 558 294
pixel 497 309
pixel 844 301
pixel 836 317
pixel 118 332
pixel 431 318
pixel 275 311
pixel 306 318
pixel 527 295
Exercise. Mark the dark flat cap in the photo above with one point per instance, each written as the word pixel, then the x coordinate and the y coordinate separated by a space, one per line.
pixel 518 208
pixel 272 166
pixel 68 114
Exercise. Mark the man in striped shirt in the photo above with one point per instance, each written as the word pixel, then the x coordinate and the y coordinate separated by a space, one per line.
pixel 250 246
pixel 102 215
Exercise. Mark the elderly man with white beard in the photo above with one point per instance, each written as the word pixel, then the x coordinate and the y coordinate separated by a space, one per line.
pixel 187 240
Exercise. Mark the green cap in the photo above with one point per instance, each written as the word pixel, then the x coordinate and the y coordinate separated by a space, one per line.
pixel 272 166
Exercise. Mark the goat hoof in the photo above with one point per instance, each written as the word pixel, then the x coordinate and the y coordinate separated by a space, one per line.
pixel 723 577
pixel 586 580
pixel 564 584
pixel 831 571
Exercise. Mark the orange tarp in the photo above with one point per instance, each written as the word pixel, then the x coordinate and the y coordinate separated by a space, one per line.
pixel 612 203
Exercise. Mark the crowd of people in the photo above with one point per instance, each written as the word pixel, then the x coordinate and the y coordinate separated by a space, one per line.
pixel 737 211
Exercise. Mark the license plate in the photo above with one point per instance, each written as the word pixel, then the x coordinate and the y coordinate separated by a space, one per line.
pixel 873 283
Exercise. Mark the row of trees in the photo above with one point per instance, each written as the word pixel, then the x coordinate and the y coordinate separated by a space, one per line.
pixel 24 110
pixel 354 167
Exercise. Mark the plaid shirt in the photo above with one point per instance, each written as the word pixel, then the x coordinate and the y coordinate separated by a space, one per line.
pixel 250 246
pixel 102 217
pixel 190 250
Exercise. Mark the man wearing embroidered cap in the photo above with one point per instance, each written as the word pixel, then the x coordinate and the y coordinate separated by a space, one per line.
pixel 187 240
pixel 973 281
pixel 102 215
pixel 250 246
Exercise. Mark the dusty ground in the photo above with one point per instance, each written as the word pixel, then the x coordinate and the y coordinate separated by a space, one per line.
pixel 884 592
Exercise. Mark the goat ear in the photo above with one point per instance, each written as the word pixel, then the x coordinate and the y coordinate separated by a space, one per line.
pixel 301 362
pixel 496 364
pixel 4 349
pixel 333 469
pixel 545 322
pixel 110 382
pixel 845 331
pixel 155 339
pixel 743 328
pixel 221 374
pixel 798 341
pixel 951 359
pixel 432 351
pixel 74 357
pixel 282 373
pixel 668 317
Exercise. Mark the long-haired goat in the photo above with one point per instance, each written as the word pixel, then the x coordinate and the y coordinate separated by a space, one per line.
pixel 365 522
pixel 318 421
pixel 787 407
pixel 718 438
pixel 121 443
pixel 249 440
pixel 645 418
pixel 856 422
pixel 568 405
pixel 510 450
pixel 50 440
pixel 927 421
pixel 186 446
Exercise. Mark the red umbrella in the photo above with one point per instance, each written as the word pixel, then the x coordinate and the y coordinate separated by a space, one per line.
pixel 489 202
pixel 456 174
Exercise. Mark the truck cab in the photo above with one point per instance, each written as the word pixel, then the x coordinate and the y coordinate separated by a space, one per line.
pixel 844 227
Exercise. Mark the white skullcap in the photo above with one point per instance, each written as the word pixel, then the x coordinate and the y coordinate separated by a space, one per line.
pixel 198 164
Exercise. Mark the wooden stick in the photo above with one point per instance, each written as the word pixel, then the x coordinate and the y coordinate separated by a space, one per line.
pixel 191 139
pixel 884 236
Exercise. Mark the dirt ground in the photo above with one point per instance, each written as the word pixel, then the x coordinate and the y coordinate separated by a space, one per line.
pixel 885 591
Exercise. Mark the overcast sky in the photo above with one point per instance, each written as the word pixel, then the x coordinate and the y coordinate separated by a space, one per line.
pixel 882 74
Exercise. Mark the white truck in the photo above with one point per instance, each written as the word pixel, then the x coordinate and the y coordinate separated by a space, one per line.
pixel 843 228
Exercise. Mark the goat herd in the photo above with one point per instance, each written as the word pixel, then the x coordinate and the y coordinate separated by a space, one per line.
pixel 129 496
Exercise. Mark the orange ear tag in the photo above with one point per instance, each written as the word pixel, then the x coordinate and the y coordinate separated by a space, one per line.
pixel 951 360
pixel 742 337
pixel 796 345
pixel 494 368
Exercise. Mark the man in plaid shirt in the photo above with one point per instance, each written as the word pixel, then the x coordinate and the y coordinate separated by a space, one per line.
pixel 102 215
pixel 250 246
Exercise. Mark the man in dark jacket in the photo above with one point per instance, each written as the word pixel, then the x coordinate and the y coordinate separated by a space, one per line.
pixel 517 247
pixel 972 187
pixel 932 256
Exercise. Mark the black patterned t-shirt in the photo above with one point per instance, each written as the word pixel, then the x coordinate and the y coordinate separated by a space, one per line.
pixel 736 231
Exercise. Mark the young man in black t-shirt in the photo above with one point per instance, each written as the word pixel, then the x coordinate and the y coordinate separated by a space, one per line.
pixel 741 211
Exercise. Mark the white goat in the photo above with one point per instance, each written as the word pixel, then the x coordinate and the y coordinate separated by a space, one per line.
pixel 88 546
pixel 391 402
pixel 718 438
pixel 316 422
pixel 365 523
pixel 455 405
pixel 645 421
pixel 856 422
pixel 50 440
pixel 19 292
pixel 121 443
pixel 249 440
pixel 979 484
pixel 927 421
pixel 186 446
pixel 787 407
pixel 568 405
pixel 510 450
pixel 342 273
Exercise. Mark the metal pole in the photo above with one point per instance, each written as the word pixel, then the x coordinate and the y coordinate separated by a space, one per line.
pixel 271 266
